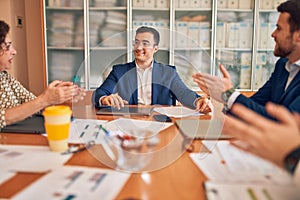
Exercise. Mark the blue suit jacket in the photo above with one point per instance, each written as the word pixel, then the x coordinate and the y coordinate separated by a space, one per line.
pixel 274 91
pixel 166 85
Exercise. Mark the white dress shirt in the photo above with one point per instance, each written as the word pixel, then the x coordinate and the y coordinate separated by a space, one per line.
pixel 144 84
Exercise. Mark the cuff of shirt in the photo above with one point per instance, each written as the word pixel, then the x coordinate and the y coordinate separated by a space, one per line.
pixel 232 99
pixel 292 160
pixel 100 104
pixel 195 101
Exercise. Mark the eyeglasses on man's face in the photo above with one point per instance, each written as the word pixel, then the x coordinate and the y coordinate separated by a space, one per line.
pixel 145 44
pixel 6 46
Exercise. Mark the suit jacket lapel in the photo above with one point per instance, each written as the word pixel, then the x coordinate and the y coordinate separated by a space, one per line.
pixel 294 83
pixel 155 81
pixel 132 78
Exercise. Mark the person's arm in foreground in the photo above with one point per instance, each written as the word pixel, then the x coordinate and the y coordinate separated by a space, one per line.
pixel 202 105
pixel 57 92
pixel 263 137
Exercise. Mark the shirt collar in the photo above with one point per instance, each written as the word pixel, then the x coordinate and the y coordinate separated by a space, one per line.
pixel 290 67
pixel 141 69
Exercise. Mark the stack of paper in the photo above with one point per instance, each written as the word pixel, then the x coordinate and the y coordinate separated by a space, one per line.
pixel 235 174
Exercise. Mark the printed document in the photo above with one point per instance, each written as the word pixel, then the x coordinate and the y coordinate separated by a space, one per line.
pixel 72 182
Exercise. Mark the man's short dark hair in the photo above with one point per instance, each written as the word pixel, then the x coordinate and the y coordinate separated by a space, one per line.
pixel 4 29
pixel 293 8
pixel 146 29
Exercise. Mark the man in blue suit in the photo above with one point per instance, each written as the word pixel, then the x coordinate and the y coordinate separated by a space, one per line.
pixel 144 81
pixel 283 87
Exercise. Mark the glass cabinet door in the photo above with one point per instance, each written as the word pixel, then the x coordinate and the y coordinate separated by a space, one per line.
pixel 265 59
pixel 64 38
pixel 234 32
pixel 192 38
pixel 156 14
pixel 107 38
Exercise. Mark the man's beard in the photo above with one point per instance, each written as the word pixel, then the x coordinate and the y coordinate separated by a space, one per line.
pixel 279 52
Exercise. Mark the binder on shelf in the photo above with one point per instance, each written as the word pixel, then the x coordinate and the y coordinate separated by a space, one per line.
pixel 246 58
pixel 161 26
pixel 245 4
pixel 263 35
pixel 232 35
pixel 181 34
pixel 245 33
pixel 222 3
pixel 266 4
pixel 205 3
pixel 204 34
pixel 195 3
pixel 221 33
pixel 257 78
pixel 184 4
pixel 54 3
pixel 260 62
pixel 138 3
pixel 233 4
pixel 162 3
pixel 193 34
pixel 149 4
pixel 245 77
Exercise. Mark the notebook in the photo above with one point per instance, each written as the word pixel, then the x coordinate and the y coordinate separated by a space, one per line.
pixel 126 110
pixel 34 124
pixel 201 129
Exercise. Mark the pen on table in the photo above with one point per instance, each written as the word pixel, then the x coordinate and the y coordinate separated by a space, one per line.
pixel 252 194
pixel 79 148
pixel 104 130
pixel 267 194
pixel 81 135
pixel 96 134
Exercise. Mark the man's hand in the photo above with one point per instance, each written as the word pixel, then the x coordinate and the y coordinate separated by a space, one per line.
pixel 113 100
pixel 264 137
pixel 202 105
pixel 213 85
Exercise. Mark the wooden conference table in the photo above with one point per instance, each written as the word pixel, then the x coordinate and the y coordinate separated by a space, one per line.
pixel 180 180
